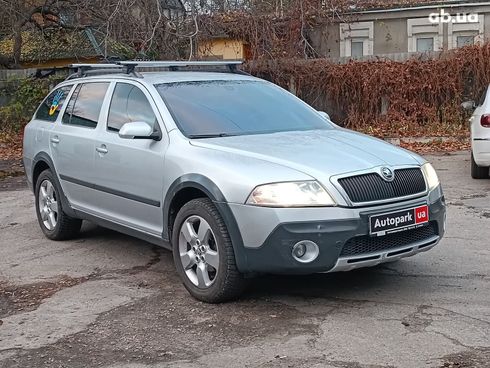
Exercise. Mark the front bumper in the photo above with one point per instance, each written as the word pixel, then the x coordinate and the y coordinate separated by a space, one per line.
pixel 269 234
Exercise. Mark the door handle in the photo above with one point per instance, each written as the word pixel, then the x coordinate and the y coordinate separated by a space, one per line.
pixel 55 139
pixel 102 149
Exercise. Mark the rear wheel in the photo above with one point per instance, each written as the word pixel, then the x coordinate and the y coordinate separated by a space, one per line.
pixel 203 253
pixel 478 172
pixel 55 223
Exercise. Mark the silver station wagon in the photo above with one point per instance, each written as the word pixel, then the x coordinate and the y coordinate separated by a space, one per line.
pixel 235 175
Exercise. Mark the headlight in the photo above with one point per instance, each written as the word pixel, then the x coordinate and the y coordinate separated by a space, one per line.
pixel 291 194
pixel 430 175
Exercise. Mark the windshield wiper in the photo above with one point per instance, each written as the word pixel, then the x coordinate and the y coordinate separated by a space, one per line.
pixel 199 136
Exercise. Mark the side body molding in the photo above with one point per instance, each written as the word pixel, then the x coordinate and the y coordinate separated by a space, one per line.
pixel 207 186
pixel 196 181
pixel 65 205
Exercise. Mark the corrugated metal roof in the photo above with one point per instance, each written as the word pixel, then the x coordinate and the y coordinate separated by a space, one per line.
pixel 60 44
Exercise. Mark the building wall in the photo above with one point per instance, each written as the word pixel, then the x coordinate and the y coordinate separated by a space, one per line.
pixel 487 26
pixel 222 49
pixel 326 40
pixel 390 36
pixel 390 30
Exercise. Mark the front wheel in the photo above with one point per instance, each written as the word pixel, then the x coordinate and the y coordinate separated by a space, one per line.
pixel 203 253
pixel 478 172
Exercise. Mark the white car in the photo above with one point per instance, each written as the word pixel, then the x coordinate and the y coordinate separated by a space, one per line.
pixel 480 136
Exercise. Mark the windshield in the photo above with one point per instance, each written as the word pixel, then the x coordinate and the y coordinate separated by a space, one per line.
pixel 233 107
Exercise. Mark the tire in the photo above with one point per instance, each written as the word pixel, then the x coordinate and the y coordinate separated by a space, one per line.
pixel 478 172
pixel 54 222
pixel 203 253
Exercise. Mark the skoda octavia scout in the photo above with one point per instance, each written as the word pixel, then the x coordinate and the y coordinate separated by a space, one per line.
pixel 235 175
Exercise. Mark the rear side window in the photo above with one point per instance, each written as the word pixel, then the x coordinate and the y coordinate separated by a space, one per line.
pixel 51 106
pixel 85 104
pixel 483 98
pixel 129 104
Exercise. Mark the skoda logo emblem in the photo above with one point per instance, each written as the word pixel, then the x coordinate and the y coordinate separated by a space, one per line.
pixel 387 174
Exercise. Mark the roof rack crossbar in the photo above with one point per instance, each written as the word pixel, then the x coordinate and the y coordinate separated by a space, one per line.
pixel 232 65
pixel 179 63
pixel 129 67
pixel 96 66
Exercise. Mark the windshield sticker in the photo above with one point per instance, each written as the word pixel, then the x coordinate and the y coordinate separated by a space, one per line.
pixel 56 102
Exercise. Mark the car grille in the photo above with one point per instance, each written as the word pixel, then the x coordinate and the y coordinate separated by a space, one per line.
pixel 372 187
pixel 367 244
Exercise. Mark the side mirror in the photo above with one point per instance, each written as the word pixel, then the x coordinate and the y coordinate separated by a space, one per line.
pixel 468 105
pixel 324 115
pixel 137 130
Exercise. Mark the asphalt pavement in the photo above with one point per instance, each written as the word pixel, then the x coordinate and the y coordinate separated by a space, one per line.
pixel 109 300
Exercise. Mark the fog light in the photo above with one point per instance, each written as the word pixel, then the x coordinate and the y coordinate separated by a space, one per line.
pixel 299 250
pixel 305 251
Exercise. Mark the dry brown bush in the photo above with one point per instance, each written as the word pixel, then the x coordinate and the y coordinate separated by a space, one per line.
pixel 421 96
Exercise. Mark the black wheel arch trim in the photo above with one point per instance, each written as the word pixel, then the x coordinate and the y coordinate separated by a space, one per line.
pixel 44 157
pixel 212 191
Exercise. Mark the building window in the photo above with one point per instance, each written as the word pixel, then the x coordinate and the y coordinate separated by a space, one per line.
pixel 357 48
pixel 356 39
pixel 464 34
pixel 463 41
pixel 424 36
pixel 425 44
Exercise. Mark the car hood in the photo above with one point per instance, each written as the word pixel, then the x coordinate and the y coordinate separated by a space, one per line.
pixel 317 153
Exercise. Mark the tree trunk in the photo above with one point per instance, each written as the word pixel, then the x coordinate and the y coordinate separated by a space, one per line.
pixel 17 49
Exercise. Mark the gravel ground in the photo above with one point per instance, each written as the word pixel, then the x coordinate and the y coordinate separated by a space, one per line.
pixel 109 300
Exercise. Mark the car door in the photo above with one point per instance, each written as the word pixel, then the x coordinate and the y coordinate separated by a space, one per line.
pixel 73 143
pixel 129 172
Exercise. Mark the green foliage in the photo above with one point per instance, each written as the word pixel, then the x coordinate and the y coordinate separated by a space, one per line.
pixel 12 117
pixel 24 95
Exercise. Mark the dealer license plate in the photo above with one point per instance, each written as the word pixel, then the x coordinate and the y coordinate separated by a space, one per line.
pixel 403 220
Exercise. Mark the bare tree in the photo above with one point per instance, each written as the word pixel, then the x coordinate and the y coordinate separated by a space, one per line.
pixel 152 28
pixel 149 28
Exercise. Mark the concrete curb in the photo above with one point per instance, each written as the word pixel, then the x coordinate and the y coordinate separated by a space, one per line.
pixel 424 140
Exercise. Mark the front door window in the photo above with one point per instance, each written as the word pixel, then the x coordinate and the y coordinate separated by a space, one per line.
pixel 129 104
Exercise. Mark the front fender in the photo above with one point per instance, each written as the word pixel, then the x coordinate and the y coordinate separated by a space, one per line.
pixel 207 186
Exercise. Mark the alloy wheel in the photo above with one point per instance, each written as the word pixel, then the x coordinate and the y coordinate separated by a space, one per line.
pixel 48 205
pixel 198 251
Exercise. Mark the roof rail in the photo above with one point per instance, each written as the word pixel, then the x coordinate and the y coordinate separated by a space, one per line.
pixel 129 67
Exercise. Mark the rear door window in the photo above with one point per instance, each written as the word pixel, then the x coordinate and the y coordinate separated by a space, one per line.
pixel 483 98
pixel 51 106
pixel 129 104
pixel 85 105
